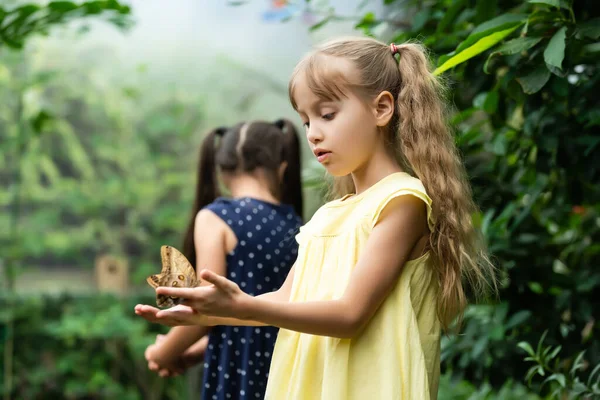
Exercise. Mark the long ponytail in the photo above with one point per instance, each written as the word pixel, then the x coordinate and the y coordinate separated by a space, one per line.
pixel 207 188
pixel 291 184
pixel 427 147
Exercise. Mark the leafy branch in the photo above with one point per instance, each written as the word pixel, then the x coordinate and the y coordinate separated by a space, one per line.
pixel 563 384
pixel 17 24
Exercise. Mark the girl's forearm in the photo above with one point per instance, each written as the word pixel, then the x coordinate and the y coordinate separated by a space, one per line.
pixel 271 296
pixel 214 321
pixel 178 340
pixel 334 318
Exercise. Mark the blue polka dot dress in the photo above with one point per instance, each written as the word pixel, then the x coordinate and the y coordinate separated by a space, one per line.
pixel 237 359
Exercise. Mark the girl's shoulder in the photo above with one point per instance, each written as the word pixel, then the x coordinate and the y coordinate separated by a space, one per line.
pixel 249 208
pixel 376 194
pixel 366 207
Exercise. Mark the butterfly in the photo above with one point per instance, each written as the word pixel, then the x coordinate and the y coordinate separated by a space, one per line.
pixel 176 271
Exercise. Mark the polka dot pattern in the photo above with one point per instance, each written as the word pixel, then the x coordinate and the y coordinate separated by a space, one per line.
pixel 237 359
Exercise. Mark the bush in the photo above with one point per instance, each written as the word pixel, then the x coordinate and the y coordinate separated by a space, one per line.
pixel 524 77
pixel 82 347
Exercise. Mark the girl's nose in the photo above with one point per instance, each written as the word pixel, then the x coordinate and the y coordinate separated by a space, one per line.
pixel 314 135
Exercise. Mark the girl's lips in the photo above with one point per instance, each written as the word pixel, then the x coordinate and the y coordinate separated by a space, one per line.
pixel 323 156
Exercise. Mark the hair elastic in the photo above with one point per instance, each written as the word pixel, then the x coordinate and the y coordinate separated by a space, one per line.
pixel 395 49
pixel 221 131
pixel 280 123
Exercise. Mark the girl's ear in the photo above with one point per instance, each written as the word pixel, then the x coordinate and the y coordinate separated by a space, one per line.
pixel 383 108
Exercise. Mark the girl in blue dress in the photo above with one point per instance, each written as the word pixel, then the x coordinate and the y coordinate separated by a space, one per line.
pixel 247 237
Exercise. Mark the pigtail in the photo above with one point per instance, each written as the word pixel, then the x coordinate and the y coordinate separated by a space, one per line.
pixel 207 188
pixel 427 146
pixel 291 184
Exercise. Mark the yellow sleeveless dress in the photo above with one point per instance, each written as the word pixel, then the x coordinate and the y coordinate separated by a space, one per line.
pixel 397 355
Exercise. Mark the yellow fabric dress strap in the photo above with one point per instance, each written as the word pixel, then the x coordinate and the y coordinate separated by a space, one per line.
pixel 401 184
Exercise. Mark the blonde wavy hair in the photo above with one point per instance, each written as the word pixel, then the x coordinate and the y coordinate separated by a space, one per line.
pixel 424 147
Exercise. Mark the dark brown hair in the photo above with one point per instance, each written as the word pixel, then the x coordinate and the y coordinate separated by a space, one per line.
pixel 242 149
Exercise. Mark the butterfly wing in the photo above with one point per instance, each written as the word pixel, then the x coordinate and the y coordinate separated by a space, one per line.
pixel 177 271
pixel 157 280
pixel 179 267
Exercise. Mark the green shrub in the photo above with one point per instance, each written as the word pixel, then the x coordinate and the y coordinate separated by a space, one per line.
pixel 524 77
pixel 82 347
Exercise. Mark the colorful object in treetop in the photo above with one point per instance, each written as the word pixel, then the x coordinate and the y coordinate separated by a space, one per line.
pixel 280 10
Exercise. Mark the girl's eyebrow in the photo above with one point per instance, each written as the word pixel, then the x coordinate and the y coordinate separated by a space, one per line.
pixel 315 105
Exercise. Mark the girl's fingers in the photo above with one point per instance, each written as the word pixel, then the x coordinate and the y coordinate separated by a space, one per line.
pixel 163 373
pixel 152 366
pixel 179 311
pixel 146 312
pixel 219 281
pixel 183 293
pixel 144 309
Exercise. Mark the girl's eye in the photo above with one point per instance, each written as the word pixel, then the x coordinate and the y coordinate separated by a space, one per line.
pixel 328 117
pixel 306 125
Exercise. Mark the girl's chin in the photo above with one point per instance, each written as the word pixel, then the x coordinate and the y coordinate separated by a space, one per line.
pixel 336 172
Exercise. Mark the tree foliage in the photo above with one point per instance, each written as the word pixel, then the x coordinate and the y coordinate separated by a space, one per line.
pixel 524 78
pixel 20 22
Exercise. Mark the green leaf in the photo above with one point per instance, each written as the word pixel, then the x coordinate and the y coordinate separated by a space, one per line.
pixel 490 105
pixel 320 24
pixel 556 71
pixel 513 46
pixel 485 10
pixel 554 352
pixel 536 369
pixel 559 267
pixel 26 10
pixel 62 6
pixel 552 3
pixel 499 145
pixel 590 29
pixel 40 120
pixel 420 19
pixel 479 100
pixel 527 347
pixel 479 346
pixel 535 287
pixel 479 47
pixel 592 374
pixel 517 319
pixel 450 15
pixel 497 24
pixel 560 378
pixel 591 48
pixel 555 51
pixel 367 21
pixel 541 341
pixel 578 364
pixel 535 80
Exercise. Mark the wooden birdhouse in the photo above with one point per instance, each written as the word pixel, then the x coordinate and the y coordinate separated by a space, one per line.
pixel 112 274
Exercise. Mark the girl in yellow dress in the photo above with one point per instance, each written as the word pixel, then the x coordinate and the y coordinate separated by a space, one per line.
pixel 381 270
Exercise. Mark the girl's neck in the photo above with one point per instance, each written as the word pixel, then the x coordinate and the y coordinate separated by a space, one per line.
pixel 249 186
pixel 377 167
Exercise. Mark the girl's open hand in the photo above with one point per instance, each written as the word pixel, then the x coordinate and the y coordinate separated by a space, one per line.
pixel 221 299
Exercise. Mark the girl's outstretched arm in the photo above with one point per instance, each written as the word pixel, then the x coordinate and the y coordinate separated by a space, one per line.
pixel 401 225
pixel 186 315
pixel 212 239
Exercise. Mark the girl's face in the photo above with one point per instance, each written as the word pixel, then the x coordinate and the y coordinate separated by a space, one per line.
pixel 343 134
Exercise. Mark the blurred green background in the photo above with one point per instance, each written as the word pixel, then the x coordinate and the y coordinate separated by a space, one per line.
pixel 104 103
